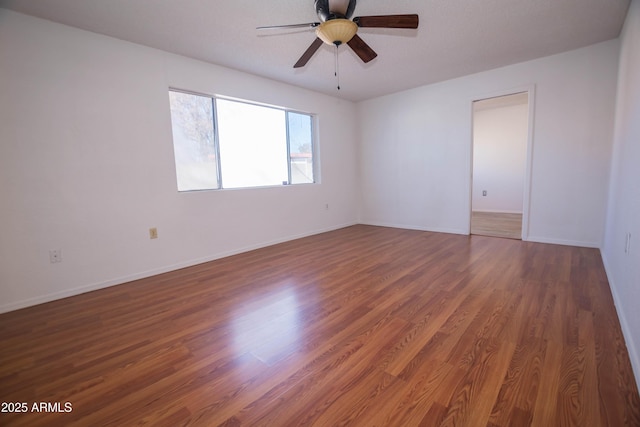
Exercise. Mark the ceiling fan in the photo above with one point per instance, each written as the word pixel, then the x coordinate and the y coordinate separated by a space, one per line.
pixel 336 27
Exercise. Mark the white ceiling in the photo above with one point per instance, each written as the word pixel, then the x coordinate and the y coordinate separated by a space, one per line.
pixel 455 37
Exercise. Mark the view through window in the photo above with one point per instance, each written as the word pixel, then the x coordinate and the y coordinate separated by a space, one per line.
pixel 220 143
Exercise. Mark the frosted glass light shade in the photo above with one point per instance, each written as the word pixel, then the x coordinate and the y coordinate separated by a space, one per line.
pixel 337 31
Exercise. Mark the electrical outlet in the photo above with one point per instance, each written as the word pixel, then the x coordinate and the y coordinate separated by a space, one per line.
pixel 153 233
pixel 55 256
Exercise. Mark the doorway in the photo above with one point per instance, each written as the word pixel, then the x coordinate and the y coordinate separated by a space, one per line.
pixel 500 152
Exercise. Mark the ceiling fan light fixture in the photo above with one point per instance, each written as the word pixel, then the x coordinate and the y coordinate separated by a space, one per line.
pixel 337 31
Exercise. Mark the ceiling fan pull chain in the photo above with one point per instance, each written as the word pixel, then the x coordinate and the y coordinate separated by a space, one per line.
pixel 337 70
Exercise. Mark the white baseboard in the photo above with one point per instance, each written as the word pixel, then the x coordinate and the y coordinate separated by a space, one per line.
pixel 634 355
pixel 41 299
pixel 553 241
pixel 416 227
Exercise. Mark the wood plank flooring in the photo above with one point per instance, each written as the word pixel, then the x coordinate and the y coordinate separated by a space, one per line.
pixel 363 326
pixel 497 224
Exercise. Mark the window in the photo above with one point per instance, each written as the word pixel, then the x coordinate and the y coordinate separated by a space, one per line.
pixel 194 141
pixel 219 143
pixel 300 148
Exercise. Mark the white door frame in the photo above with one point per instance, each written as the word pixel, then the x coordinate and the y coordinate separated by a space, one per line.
pixel 526 191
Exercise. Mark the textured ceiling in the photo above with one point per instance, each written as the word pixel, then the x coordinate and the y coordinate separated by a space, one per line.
pixel 455 37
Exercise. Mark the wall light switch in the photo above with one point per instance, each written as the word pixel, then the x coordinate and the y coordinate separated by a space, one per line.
pixel 484 192
pixel 153 233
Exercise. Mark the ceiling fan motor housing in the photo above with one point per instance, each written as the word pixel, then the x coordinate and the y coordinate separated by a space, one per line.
pixel 332 9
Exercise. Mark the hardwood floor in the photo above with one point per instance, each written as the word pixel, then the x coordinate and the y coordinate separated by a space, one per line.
pixel 362 326
pixel 497 224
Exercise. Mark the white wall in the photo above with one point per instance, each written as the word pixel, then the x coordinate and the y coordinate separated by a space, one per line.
pixel 86 165
pixel 623 268
pixel 499 157
pixel 416 147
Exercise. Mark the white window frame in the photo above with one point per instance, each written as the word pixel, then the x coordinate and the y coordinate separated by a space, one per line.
pixel 216 141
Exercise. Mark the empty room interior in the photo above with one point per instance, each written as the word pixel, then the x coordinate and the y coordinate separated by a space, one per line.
pixel 196 229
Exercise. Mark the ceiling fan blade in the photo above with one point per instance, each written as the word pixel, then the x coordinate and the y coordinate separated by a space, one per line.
pixel 306 56
pixel 277 27
pixel 387 21
pixel 361 49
